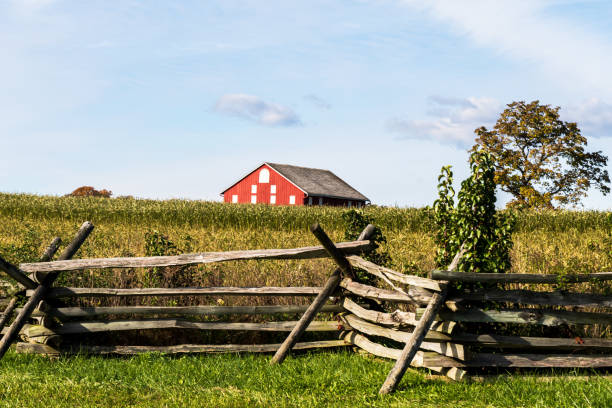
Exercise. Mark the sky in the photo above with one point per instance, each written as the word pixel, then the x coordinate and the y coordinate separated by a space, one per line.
pixel 179 99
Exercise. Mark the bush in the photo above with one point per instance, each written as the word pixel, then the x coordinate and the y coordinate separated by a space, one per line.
pixel 484 232
pixel 356 222
pixel 89 191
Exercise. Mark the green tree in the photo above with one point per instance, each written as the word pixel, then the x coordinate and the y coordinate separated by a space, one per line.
pixel 540 159
pixel 486 234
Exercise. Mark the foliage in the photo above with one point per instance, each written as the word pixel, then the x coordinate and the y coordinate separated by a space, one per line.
pixel 25 250
pixel 356 222
pixel 157 244
pixel 607 241
pixel 540 159
pixel 484 233
pixel 88 191
pixel 604 246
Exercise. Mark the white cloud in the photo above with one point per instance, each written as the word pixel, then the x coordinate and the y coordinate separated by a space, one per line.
pixel 317 101
pixel 254 108
pixel 452 120
pixel 451 101
pixel 570 54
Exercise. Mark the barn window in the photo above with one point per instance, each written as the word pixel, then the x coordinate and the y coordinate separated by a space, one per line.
pixel 234 198
pixel 359 204
pixel 350 203
pixel 253 188
pixel 320 200
pixel 272 199
pixel 273 189
pixel 253 199
pixel 309 200
pixel 292 199
pixel 264 176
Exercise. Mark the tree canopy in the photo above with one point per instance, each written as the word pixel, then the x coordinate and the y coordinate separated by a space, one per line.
pixel 540 159
pixel 89 191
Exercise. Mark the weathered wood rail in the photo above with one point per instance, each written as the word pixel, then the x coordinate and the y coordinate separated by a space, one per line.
pixel 49 327
pixel 189 259
pixel 448 351
pixel 517 277
pixel 210 291
pixel 424 321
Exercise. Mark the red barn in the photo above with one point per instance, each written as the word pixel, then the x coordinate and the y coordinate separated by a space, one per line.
pixel 283 184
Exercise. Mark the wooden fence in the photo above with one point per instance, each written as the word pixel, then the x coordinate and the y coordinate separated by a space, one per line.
pixel 48 322
pixel 451 347
pixel 423 322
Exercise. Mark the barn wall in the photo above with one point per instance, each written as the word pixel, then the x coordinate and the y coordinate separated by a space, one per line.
pixel 335 202
pixel 284 189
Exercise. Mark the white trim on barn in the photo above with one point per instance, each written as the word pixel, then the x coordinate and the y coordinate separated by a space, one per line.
pixel 265 164
pixel 264 176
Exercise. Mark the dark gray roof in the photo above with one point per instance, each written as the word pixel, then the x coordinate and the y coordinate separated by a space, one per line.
pixel 318 182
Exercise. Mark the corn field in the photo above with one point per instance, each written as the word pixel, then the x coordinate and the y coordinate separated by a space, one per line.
pixel 544 242
pixel 558 242
pixel 206 214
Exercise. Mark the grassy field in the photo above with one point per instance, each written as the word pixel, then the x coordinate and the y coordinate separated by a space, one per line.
pixel 545 242
pixel 558 242
pixel 340 379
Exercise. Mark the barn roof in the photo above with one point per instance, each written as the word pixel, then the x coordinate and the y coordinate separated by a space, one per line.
pixel 318 182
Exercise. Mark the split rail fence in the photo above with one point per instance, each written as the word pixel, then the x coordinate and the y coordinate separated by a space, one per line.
pixel 423 322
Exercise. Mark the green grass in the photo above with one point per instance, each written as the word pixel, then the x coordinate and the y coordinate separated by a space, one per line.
pixel 580 242
pixel 328 379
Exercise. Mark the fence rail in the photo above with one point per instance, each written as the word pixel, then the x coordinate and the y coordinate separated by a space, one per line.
pixel 517 277
pixel 191 259
pixel 437 336
pixel 213 291
pixel 528 297
pixel 38 348
pixel 68 312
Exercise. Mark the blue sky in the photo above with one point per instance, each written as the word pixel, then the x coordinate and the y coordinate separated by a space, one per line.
pixel 178 99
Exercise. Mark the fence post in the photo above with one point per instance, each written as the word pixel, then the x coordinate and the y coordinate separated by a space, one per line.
pixel 421 329
pixel 15 273
pixel 42 288
pixel 46 256
pixel 330 286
